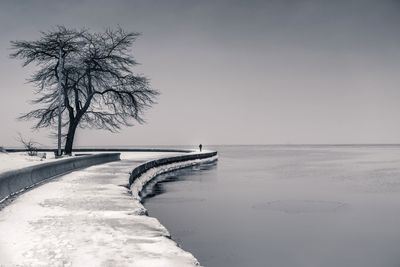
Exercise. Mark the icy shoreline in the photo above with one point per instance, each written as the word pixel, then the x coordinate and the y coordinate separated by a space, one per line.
pixel 145 178
pixel 87 218
pixel 148 176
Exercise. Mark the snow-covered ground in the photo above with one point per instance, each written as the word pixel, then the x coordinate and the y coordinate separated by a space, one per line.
pixel 17 160
pixel 87 218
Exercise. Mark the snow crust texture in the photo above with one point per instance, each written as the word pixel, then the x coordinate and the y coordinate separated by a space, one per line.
pixel 89 218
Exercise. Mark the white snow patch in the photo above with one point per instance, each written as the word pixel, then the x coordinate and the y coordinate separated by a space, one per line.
pixel 18 160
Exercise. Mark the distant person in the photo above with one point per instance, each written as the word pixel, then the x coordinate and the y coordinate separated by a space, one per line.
pixel 200 147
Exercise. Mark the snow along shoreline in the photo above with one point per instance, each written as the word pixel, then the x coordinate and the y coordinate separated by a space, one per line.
pixel 145 178
pixel 88 217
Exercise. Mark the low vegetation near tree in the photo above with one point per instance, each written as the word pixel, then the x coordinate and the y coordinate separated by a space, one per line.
pixel 29 145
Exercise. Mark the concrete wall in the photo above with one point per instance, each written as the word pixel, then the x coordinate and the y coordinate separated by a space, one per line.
pixel 12 182
pixel 108 150
pixel 139 170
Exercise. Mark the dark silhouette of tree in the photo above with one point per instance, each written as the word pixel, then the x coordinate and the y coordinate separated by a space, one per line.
pixel 99 88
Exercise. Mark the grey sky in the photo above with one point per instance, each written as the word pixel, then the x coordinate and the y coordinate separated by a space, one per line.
pixel 233 72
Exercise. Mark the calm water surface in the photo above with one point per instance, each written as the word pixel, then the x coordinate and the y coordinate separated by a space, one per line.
pixel 324 206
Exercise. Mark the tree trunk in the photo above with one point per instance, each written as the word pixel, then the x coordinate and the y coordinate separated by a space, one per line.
pixel 70 137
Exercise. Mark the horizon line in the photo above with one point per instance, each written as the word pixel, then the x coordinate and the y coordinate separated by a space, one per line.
pixel 211 145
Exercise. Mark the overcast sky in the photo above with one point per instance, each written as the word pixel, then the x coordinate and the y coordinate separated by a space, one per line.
pixel 233 72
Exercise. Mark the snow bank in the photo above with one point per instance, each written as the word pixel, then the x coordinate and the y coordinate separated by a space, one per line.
pixel 15 181
pixel 18 160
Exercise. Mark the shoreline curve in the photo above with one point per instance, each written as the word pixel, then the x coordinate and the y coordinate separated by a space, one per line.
pixel 147 172
pixel 143 174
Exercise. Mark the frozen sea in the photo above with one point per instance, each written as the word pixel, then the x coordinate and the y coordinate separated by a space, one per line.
pixel 286 206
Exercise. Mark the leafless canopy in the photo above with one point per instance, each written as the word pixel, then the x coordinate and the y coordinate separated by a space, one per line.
pixel 99 87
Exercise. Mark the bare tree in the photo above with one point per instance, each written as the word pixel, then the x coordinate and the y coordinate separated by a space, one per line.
pixel 99 88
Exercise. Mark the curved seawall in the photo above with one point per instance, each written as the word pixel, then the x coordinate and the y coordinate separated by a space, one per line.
pixel 141 169
pixel 149 171
pixel 15 181
pixel 146 172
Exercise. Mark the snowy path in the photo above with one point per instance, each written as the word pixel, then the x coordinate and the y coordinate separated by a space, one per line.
pixel 86 218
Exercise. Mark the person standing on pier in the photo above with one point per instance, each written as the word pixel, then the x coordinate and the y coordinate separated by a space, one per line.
pixel 200 147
